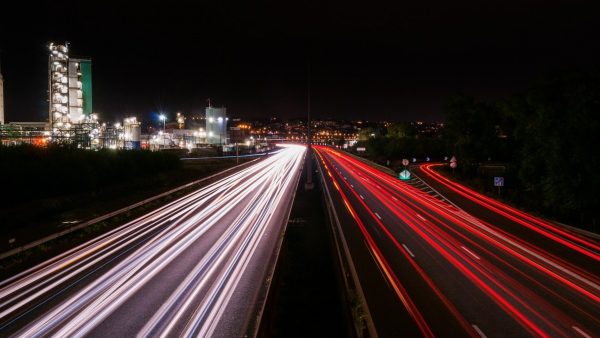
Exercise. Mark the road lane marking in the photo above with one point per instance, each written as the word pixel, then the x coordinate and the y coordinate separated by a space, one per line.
pixel 421 217
pixel 378 267
pixel 409 252
pixel 478 331
pixel 581 332
pixel 472 254
pixel 344 177
pixel 361 197
pixel 376 214
pixel 351 185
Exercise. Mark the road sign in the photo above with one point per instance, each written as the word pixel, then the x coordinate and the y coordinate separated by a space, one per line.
pixel 361 149
pixel 453 165
pixel 498 181
pixel 405 175
pixel 428 159
pixel 453 159
pixel 404 162
pixel 414 160
pixel 445 158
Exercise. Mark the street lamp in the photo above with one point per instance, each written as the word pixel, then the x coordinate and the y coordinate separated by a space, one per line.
pixel 163 118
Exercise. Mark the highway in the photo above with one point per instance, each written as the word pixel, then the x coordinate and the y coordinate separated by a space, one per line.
pixel 197 266
pixel 427 268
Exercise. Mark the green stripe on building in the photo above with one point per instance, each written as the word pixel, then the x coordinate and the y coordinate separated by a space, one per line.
pixel 86 85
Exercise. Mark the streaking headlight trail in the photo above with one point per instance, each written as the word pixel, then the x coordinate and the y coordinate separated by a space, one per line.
pixel 172 272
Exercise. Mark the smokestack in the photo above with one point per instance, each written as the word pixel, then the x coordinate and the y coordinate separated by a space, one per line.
pixel 1 95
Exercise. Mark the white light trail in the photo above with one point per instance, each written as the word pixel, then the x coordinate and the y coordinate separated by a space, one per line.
pixel 152 243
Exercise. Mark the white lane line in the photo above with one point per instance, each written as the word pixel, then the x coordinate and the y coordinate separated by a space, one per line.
pixel 394 198
pixel 376 214
pixel 351 185
pixel 581 332
pixel 361 197
pixel 409 252
pixel 378 267
pixel 421 217
pixel 467 250
pixel 478 331
pixel 344 177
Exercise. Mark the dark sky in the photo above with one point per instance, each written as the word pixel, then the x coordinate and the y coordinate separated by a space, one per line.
pixel 368 60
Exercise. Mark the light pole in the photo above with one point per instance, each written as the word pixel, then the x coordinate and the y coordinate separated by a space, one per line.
pixel 308 185
pixel 163 118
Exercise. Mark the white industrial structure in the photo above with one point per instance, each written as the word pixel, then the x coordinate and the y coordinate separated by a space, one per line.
pixel 70 94
pixel 216 125
pixel 132 132
pixel 1 98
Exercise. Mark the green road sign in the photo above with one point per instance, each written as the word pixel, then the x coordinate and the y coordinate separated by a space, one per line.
pixel 405 175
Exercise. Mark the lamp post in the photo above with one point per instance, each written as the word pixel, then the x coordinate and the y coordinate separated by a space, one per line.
pixel 163 118
pixel 308 185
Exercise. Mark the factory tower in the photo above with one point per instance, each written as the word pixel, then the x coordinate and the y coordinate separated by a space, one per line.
pixel 1 96
pixel 70 90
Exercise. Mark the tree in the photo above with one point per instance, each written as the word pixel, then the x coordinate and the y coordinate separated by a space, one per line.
pixel 400 130
pixel 470 130
pixel 556 124
pixel 367 133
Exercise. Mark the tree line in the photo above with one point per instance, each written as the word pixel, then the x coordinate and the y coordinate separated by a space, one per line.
pixel 547 135
pixel 30 172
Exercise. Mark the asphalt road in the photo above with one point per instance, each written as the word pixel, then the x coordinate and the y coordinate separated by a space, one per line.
pixel 195 267
pixel 428 268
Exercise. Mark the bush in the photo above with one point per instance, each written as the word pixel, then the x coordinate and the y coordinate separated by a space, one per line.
pixel 36 172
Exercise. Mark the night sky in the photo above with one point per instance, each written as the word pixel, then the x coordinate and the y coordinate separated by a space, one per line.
pixel 368 60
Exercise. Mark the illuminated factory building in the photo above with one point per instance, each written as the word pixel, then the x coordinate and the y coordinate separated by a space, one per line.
pixel 70 92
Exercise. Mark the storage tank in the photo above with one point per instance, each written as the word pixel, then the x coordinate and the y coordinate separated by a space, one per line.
pixel 216 125
pixel 132 133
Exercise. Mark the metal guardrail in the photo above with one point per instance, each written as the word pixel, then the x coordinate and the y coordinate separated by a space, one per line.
pixel 114 213
pixel 335 225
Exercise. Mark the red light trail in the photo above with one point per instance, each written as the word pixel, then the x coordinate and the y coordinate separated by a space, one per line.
pixel 499 264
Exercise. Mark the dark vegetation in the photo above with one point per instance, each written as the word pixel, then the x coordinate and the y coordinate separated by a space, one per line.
pixel 31 172
pixel 546 137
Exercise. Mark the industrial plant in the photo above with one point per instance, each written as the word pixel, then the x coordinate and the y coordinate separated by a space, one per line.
pixel 70 117
pixel 72 120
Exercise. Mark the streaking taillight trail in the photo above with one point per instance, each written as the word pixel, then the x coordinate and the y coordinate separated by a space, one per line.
pixel 482 252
